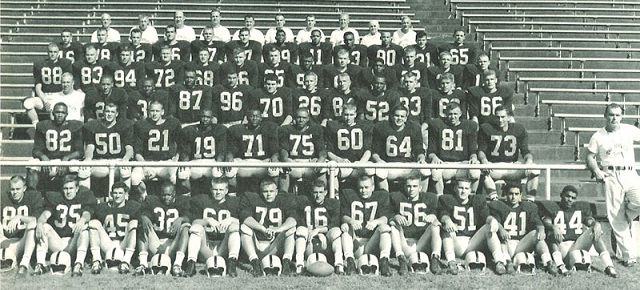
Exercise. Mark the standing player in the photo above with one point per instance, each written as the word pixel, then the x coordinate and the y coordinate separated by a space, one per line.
pixel 310 97
pixel 357 52
pixel 341 65
pixel 376 105
pixel 461 53
pixel 613 147
pixel 69 49
pixel 364 225
pixel 418 100
pixel 401 141
pixel 320 50
pixel 230 100
pixel 20 207
pixel 391 53
pixel 468 227
pixel 447 94
pixel 113 230
pixel 410 65
pixel 571 228
pixel 166 70
pixel 206 70
pixel 452 140
pixel 251 49
pixel 179 49
pixel 141 50
pixel 474 74
pixel 288 50
pixel 106 50
pixel 268 226
pixel 318 219
pixel 500 142
pixel 415 226
pixel 67 231
pixel 126 72
pixel 367 76
pixel 273 65
pixel 247 70
pixel 435 72
pixel 216 227
pixel 306 66
pixel 207 42
pixel 189 99
pixel 89 71
pixel 304 35
pixel 95 100
pixel 164 222
pixel 273 101
pixel 483 101
pixel 426 52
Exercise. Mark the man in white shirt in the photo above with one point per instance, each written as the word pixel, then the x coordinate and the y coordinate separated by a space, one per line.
pixel 406 35
pixel 373 37
pixel 112 34
pixel 149 33
pixel 220 33
pixel 270 36
pixel 254 34
pixel 337 36
pixel 74 99
pixel 304 35
pixel 183 32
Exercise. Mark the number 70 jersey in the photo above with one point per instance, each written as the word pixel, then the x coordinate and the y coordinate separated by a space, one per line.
pixel 569 220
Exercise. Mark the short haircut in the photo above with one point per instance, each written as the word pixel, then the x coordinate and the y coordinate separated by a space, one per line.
pixel 17 178
pixel 421 34
pixel 446 52
pixel 270 77
pixel 136 30
pixel 247 16
pixel 503 108
pixel 311 74
pixel 126 47
pixel 400 107
pixel 490 72
pixel 365 178
pixel 409 49
pixel 461 179
pixel 459 29
pixel 448 77
pixel 342 51
pixel 168 184
pixel 220 180
pixel 319 183
pixel 569 188
pixel 347 33
pixel 89 47
pixel 612 106
pixel 267 182
pixel 349 106
pixel 120 184
pixel 452 106
pixel 509 185
pixel 243 29
pixel 409 74
pixel 69 177
pixel 66 30
pixel 170 26
pixel 155 101
pixel 412 176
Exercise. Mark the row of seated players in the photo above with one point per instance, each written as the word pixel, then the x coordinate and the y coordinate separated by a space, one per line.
pixel 213 226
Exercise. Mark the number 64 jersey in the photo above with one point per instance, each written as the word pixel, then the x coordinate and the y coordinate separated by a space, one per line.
pixel 65 213
pixel 365 210
pixel 503 146
pixel 468 217
pixel 569 220
pixel 269 214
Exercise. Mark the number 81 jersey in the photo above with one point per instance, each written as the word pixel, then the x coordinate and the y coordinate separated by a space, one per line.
pixel 569 220
pixel 65 213
pixel 503 146
pixel 162 216
pixel 365 210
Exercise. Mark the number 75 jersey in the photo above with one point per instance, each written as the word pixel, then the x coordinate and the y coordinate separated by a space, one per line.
pixel 163 216
pixel 468 217
pixel 365 210
pixel 569 220
pixel 503 146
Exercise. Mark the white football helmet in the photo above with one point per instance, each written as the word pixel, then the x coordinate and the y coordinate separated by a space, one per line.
pixel 475 260
pixel 272 265
pixel 315 257
pixel 419 262
pixel 60 263
pixel 8 260
pixel 216 266
pixel 368 264
pixel 114 257
pixel 525 263
pixel 160 264
pixel 580 260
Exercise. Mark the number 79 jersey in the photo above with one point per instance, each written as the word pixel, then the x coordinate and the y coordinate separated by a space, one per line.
pixel 115 219
pixel 414 211
pixel 503 146
pixel 569 220
pixel 58 141
pixel 30 205
pixel 365 210
pixel 66 213
pixel 519 221
pixel 349 142
pixel 313 215
pixel 468 217
pixel 163 216
pixel 272 214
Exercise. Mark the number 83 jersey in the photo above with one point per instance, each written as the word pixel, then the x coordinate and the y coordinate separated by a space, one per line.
pixel 569 220
pixel 503 146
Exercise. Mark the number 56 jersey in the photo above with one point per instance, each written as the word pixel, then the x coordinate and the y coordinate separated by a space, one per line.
pixel 313 215
pixel 268 214
pixel 162 216
pixel 414 211
pixel 65 213
pixel 519 221
pixel 467 217
pixel 569 220
pixel 365 210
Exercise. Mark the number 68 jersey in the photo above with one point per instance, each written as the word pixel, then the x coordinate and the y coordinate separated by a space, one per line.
pixel 268 214
pixel 519 221
pixel 468 217
pixel 503 146
pixel 204 206
pixel 365 210
pixel 162 216
pixel 65 213
pixel 29 205
pixel 569 220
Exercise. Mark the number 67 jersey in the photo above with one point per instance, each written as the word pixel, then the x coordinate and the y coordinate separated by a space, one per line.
pixel 365 210
pixel 569 220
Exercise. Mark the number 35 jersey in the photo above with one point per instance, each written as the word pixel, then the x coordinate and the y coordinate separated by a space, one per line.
pixel 163 216
pixel 204 206
pixel 365 210
pixel 65 213
pixel 503 146
pixel 157 142
pixel 110 142
pixel 313 215
pixel 115 219
pixel 30 205
pixel 518 221
pixel 467 217
pixel 569 220
pixel 415 211
pixel 268 214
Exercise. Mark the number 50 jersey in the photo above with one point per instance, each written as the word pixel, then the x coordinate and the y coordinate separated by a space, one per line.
pixel 109 143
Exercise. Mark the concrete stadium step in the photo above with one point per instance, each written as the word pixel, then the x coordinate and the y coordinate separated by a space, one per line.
pixel 581 85
pixel 570 63
pixel 527 26
pixel 552 152
pixel 536 53
pixel 589 190
pixel 17 67
pixel 584 96
pixel 21 57
pixel 16 148
pixel 16 78
pixel 563 73
pixel 11 102
pixel 533 123
pixel 543 137
pixel 16 90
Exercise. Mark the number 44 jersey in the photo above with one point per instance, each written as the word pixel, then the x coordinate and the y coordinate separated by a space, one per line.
pixel 569 220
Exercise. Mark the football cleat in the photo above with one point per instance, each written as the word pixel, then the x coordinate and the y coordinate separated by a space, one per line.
pixel 552 268
pixel 611 272
pixel 630 263
pixel 257 268
pixel 22 271
pixel 385 269
pixel 402 262
pixel 39 269
pixel 524 263
pixel 580 260
pixel 453 268
pixel 286 267
pixel 562 270
pixel 232 266
pixel 435 266
pixel 160 264
pixel 77 270
pixel 191 269
pixel 176 271
pixel 124 268
pixel 501 269
pixel 351 266
pixel 299 269
pixel 113 258
pixel 96 267
pixel 339 269
pixel 141 271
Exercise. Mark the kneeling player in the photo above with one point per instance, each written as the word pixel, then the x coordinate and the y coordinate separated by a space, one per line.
pixel 468 227
pixel 415 226
pixel 572 228
pixel 113 230
pixel 165 225
pixel 216 231
pixel 364 225
pixel 318 225
pixel 268 226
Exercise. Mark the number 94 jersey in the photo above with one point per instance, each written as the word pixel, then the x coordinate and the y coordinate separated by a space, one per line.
pixel 313 215
pixel 569 220
pixel 272 214
pixel 115 219
pixel 414 211
pixel 349 142
pixel 204 206
pixel 162 216
pixel 109 143
pixel 467 217
pixel 501 146
pixel 519 221
pixel 66 213
pixel 365 210
pixel 30 205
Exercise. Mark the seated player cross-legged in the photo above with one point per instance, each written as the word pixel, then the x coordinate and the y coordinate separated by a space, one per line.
pixel 113 230
pixel 318 226
pixel 215 230
pixel 364 225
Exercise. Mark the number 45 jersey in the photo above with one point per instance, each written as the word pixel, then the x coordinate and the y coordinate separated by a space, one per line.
pixel 365 210
pixel 468 217
pixel 162 216
pixel 204 206
pixel 518 221
pixel 115 219
pixel 313 215
pixel 109 142
pixel 569 220
pixel 268 214
pixel 65 213
pixel 503 146
pixel 29 205
pixel 415 211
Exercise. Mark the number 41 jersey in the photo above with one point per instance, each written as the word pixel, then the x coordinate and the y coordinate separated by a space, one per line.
pixel 518 221
pixel 468 217
pixel 365 210
pixel 503 146
pixel 570 220
pixel 115 219
pixel 65 213
pixel 162 216
pixel 415 211
pixel 268 214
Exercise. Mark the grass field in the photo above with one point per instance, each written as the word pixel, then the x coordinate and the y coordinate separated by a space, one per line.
pixel 627 279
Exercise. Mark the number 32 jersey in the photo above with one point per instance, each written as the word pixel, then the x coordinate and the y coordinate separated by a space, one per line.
pixel 163 216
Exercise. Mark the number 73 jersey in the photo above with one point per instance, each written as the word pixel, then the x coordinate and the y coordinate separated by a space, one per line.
pixel 468 217
pixel 269 214
pixel 503 146
pixel 365 210
pixel 519 221
pixel 571 220
pixel 415 211
pixel 65 213
pixel 163 216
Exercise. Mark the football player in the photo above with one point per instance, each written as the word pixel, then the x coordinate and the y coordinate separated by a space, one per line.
pixel 473 74
pixel 389 52
pixel 157 139
pixel 410 65
pixel 452 140
pixel 69 49
pixel 403 143
pixel 268 226
pixel 106 50
pixel 521 229
pixel 57 139
pixel 425 51
pixel 247 69
pixel 251 49
pixel 139 103
pixel 461 53
pixel 367 76
pixel 74 99
pixel 67 231
pixel 272 65
pixel 483 101
pixel 571 227
pixel 318 226
pixel 468 227
pixel 310 97
pixel 166 70
pixel 445 65
pixel 141 50
pixel 364 224
pixel 187 100
pixel 164 222
pixel 341 65
pixel 415 226
pixel 20 207
pixel 89 71
pixel 357 52
pixel 419 102
pixel 230 100
pixel 273 101
pixel 215 229
pixel 288 50
pixel 113 229
pixel 207 42
pixel 272 34
pixel 304 35
pixel 179 49
pixel 319 50
pixel 446 94
pixel 206 70
pixel 376 105
pixel 126 72
pixel 306 66
pixel 500 142
pixel 95 100
pixel 342 94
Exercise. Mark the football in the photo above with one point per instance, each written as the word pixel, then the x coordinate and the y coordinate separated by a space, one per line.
pixel 320 269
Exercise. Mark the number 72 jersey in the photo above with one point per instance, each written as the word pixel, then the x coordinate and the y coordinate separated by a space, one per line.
pixel 570 221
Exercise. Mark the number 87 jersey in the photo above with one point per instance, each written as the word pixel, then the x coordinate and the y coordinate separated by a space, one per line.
pixel 569 220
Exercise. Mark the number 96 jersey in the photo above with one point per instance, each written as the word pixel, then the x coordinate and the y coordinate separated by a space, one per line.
pixel 30 205
pixel 163 216
pixel 519 221
pixel 66 213
pixel 569 220
pixel 204 206
pixel 414 211
pixel 272 214
pixel 109 143
pixel 115 219
pixel 468 217
pixel 365 210
pixel 313 215
pixel 501 146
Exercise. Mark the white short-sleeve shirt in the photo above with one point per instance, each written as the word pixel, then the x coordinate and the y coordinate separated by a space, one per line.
pixel 615 148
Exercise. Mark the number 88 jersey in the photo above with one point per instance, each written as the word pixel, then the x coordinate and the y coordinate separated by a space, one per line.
pixel 29 205
pixel 503 146
pixel 569 220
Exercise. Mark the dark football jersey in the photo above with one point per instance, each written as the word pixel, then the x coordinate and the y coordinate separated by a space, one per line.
pixel 282 71
pixel 252 51
pixel 139 103
pixel 186 103
pixel 162 216
pixel 109 143
pixel 357 54
pixel 439 102
pixel 415 211
pixel 313 215
pixel 483 104
pixel 367 77
pixel 472 76
pixel 30 205
pixel 107 51
pixel 247 73
pixel 330 75
pixel 272 214
pixel 115 219
pixel 332 108
pixel 230 104
pixel 302 98
pixel 260 143
pixel 377 108
pixel 197 143
pixel 180 50
pixel 298 73
pixel 468 217
pixel 166 74
pixel 460 54
pixel 49 74
pixel 452 143
pixel 569 220
pixel 419 69
pixel 428 54
pixel 88 75
pixel 321 53
pixel 216 50
pixel 349 142
pixel 503 146
pixel 397 146
pixel 206 73
pixel 519 221
pixel 288 51
pixel 56 141
pixel 127 76
pixel 142 53
pixel 74 52
pixel 391 54
pixel 365 210
pixel 434 73
pixel 94 102
pixel 274 107
pixel 301 144
pixel 204 206
pixel 419 103
pixel 157 142
pixel 66 213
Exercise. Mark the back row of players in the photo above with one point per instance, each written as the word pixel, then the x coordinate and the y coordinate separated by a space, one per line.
pixel 213 226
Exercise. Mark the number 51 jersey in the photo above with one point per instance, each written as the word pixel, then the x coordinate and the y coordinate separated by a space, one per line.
pixel 468 217
pixel 365 210
pixel 268 214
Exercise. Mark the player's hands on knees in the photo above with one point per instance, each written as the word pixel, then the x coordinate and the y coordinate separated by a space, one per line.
pixel 450 227
pixel 557 234
pixel 372 225
pixel 503 235
pixel 344 227
pixel 541 235
pixel 146 225
pixel 494 226
pixel 432 219
pixel 436 160
pixel 223 226
pixel 80 225
pixel 175 227
pixel 40 231
pixel 401 220
pixel 13 224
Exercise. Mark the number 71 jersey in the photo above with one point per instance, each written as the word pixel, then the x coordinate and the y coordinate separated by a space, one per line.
pixel 365 210
pixel 569 220
pixel 468 217
pixel 163 216
pixel 260 143
pixel 66 213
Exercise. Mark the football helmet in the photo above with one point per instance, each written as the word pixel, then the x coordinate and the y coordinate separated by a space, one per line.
pixel 368 264
pixel 580 260
pixel 160 264
pixel 113 257
pixel 419 262
pixel 60 263
pixel 316 257
pixel 525 263
pixel 475 260
pixel 272 265
pixel 8 260
pixel 216 266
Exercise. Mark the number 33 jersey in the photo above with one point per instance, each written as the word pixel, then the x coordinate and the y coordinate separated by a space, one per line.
pixel 365 210
pixel 569 220
pixel 503 146
pixel 269 214
pixel 65 213
pixel 468 217
pixel 518 221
